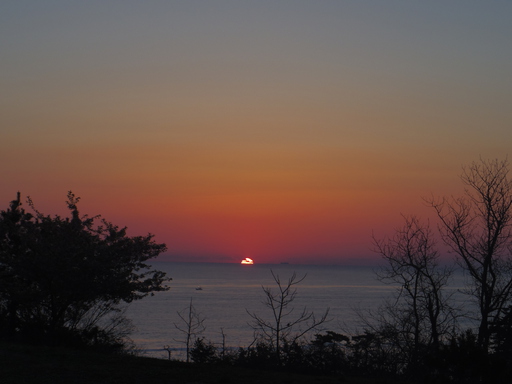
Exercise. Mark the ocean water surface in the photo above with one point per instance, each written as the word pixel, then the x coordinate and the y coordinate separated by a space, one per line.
pixel 223 294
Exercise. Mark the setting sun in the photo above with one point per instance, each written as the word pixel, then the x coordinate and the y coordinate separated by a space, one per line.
pixel 247 261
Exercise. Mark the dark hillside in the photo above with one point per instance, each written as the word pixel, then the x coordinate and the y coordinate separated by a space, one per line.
pixel 40 365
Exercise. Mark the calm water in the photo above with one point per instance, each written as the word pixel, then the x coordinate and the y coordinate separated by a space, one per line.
pixel 230 290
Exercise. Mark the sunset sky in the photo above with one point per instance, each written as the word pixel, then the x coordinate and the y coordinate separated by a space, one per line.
pixel 283 131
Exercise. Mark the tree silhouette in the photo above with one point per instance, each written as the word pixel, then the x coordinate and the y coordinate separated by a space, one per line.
pixel 420 316
pixel 62 280
pixel 192 325
pixel 283 327
pixel 478 229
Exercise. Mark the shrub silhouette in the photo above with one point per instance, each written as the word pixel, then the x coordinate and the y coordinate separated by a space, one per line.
pixel 63 280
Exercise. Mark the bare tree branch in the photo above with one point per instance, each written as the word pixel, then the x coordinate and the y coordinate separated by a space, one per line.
pixel 193 326
pixel 478 229
pixel 283 328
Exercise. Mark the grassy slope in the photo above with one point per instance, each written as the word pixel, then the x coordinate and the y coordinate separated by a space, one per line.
pixel 27 365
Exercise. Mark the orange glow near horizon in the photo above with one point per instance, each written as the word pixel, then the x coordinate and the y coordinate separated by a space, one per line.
pixel 296 205
pixel 247 261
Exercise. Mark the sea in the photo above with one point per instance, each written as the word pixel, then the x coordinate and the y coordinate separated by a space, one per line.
pixel 224 295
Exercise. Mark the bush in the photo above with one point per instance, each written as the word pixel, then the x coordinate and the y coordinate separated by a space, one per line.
pixel 203 352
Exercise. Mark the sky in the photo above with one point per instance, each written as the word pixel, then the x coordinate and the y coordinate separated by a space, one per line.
pixel 284 131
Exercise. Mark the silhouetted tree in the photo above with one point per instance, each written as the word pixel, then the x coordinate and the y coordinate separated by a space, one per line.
pixel 62 279
pixel 328 352
pixel 375 353
pixel 192 326
pixel 284 328
pixel 478 229
pixel 168 349
pixel 203 352
pixel 421 312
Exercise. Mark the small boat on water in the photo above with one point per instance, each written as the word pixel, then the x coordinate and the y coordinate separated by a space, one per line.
pixel 199 289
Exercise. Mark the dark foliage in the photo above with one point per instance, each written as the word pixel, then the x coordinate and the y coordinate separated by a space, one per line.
pixel 203 352
pixel 62 279
pixel 20 364
pixel 261 355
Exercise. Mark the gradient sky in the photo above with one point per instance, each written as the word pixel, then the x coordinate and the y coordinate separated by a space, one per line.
pixel 276 130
